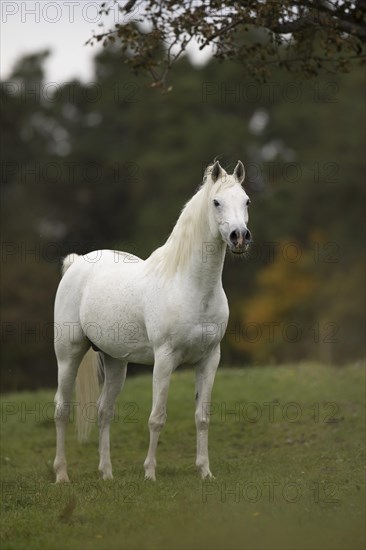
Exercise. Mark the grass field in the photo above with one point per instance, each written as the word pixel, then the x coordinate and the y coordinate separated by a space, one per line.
pixel 286 447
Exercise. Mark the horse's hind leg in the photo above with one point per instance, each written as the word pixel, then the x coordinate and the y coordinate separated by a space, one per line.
pixel 115 375
pixel 67 370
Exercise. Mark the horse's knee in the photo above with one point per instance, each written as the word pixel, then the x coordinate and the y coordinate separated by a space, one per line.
pixel 202 423
pixel 156 423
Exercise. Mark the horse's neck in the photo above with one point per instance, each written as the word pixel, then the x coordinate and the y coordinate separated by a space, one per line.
pixel 206 265
pixel 206 251
pixel 192 253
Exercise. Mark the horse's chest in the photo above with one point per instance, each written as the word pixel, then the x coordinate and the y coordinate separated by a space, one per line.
pixel 204 336
pixel 195 332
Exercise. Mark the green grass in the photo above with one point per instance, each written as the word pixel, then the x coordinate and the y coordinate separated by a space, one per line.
pixel 281 482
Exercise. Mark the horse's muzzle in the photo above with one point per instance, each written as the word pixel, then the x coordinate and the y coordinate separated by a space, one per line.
pixel 240 241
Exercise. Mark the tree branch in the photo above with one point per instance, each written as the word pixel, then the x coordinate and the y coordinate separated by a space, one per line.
pixel 290 27
pixel 129 6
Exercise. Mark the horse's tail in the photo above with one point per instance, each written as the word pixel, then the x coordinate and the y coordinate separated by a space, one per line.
pixel 87 393
pixel 66 262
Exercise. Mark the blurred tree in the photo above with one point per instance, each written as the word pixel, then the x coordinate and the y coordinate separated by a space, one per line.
pixel 322 34
pixel 274 318
pixel 110 164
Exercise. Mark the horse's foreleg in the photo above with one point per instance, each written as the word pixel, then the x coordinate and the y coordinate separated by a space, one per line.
pixel 115 375
pixel 205 376
pixel 163 369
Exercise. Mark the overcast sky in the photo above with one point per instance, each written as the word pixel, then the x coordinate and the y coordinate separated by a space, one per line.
pixel 62 26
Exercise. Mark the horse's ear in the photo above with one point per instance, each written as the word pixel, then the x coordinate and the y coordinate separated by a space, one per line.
pixel 216 171
pixel 239 172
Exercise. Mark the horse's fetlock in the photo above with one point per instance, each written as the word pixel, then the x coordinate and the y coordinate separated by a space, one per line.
pixel 59 464
pixel 202 463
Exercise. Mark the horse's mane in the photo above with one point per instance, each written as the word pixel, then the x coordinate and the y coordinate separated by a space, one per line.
pixel 190 228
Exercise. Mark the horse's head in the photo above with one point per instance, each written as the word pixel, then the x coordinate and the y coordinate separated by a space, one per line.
pixel 228 208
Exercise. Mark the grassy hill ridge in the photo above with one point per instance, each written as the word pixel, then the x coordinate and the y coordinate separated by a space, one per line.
pixel 286 447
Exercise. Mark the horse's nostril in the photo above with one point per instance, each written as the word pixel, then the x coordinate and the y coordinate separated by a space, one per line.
pixel 248 236
pixel 234 236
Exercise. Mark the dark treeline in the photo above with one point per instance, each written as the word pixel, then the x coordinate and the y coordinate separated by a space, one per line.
pixel 109 164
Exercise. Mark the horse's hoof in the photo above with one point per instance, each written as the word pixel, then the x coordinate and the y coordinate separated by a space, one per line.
pixel 207 475
pixel 106 472
pixel 62 478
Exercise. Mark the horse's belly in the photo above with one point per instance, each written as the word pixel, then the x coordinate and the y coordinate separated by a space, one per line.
pixel 122 338
pixel 131 352
pixel 112 319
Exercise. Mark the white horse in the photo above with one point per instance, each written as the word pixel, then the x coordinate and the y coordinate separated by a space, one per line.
pixel 168 310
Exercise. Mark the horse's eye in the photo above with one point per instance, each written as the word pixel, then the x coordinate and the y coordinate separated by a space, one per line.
pixel 248 202
pixel 216 203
